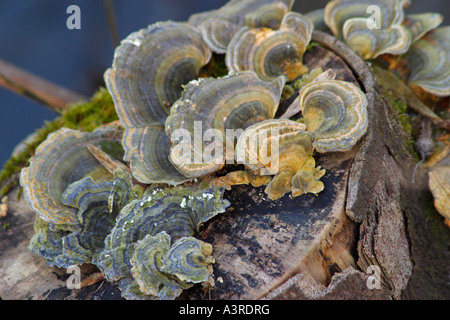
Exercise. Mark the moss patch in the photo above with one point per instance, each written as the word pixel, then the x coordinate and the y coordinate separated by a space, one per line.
pixel 81 116
pixel 400 108
pixel 216 67
pixel 312 45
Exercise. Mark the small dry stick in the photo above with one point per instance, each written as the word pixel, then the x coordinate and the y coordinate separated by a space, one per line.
pixel 91 279
pixel 112 25
pixel 37 89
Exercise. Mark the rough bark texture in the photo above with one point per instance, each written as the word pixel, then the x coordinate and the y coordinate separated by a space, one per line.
pixel 371 234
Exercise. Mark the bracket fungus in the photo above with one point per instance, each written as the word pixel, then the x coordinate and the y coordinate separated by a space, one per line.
pixel 147 261
pixel 429 61
pixel 268 15
pixel 130 199
pixel 335 112
pixel 397 40
pixel 387 31
pixel 337 12
pixel 282 148
pixel 162 269
pixel 147 150
pixel 98 204
pixel 149 68
pixel 317 18
pixel 47 240
pixel 60 160
pixel 419 24
pixel 176 212
pixel 208 108
pixel 220 25
pixel 370 43
pixel 271 53
pixel 369 36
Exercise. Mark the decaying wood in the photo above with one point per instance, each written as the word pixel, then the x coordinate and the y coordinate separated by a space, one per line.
pixel 24 275
pixel 369 217
pixel 350 284
pixel 260 244
pixel 30 86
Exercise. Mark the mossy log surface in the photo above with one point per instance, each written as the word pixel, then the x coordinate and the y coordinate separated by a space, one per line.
pixel 369 217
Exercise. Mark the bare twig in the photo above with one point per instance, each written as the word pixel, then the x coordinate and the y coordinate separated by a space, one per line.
pixel 37 89
pixel 111 17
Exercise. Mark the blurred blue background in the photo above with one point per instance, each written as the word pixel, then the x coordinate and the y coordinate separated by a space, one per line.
pixel 34 37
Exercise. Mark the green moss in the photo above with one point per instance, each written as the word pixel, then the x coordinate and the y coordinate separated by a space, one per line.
pixel 401 110
pixel 307 78
pixel 90 115
pixel 399 105
pixel 219 67
pixel 312 45
pixel 82 116
pixel 402 115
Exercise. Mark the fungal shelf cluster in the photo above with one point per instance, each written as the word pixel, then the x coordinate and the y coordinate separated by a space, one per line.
pixel 130 197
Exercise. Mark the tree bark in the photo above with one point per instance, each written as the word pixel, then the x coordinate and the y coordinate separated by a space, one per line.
pixel 371 234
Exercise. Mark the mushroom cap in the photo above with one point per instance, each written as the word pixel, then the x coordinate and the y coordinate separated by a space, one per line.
pixel 149 68
pixel 213 106
pixel 429 61
pixel 163 270
pixel 370 43
pixel 178 211
pixel 335 112
pixel 366 32
pixel 419 24
pixel 337 12
pixel 268 15
pixel 98 205
pixel 147 149
pixel 60 160
pixel 189 260
pixel 271 53
pixel 221 25
pixel 147 262
pixel 281 147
